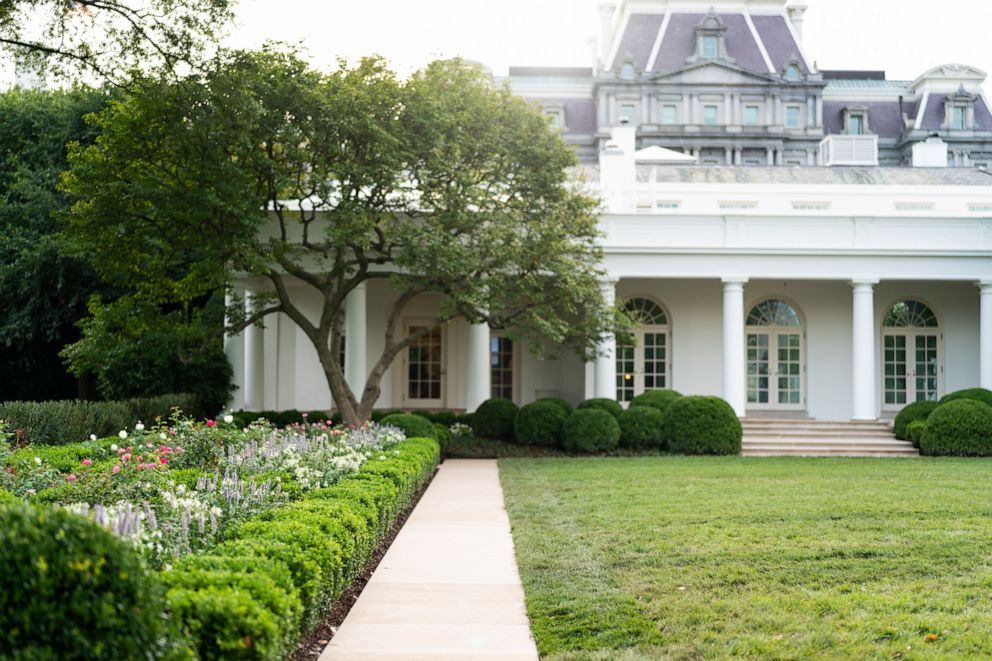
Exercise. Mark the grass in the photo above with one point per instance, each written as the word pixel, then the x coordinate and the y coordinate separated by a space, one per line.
pixel 686 558
pixel 470 447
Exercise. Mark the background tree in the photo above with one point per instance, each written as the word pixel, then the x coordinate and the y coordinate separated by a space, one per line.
pixel 110 38
pixel 440 184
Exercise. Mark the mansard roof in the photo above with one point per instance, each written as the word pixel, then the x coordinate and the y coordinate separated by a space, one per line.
pixel 839 176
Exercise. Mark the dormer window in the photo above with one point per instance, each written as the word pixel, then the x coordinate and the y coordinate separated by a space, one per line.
pixel 959 110
pixel 628 72
pixel 711 40
pixel 792 73
pixel 856 120
pixel 711 47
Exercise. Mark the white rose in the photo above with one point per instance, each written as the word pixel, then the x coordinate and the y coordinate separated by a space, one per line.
pixel 113 447
pixel 228 418
pixel 162 435
pixel 37 461
pixel 139 427
pixel 92 437
pixel 122 434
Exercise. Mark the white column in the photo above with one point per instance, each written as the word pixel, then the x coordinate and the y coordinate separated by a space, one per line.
pixel 234 349
pixel 733 344
pixel 478 387
pixel 355 338
pixel 606 364
pixel 254 349
pixel 985 336
pixel 863 388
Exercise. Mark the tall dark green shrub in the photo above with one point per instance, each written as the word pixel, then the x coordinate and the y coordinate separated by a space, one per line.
pixel 558 401
pixel 413 425
pixel 72 590
pixel 702 425
pixel 959 428
pixel 658 399
pixel 642 427
pixel 540 423
pixel 911 412
pixel 590 430
pixel 494 419
pixel 977 394
pixel 611 406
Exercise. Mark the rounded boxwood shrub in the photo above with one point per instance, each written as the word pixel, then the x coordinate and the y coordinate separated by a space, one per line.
pixel 642 427
pixel 70 589
pixel 702 425
pixel 559 402
pixel 609 405
pixel 658 399
pixel 911 412
pixel 914 431
pixel 494 418
pixel 959 428
pixel 591 430
pixel 442 435
pixel 540 423
pixel 976 394
pixel 414 426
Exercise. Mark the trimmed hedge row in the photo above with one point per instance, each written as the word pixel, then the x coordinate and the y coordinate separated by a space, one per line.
pixel 295 417
pixel 71 421
pixel 259 591
pixel 959 425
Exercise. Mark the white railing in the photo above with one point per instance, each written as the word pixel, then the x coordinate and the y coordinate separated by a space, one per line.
pixel 849 150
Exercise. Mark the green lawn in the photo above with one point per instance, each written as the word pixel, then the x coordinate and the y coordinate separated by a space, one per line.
pixel 677 557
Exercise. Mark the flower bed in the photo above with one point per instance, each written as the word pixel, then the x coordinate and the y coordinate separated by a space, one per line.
pixel 255 531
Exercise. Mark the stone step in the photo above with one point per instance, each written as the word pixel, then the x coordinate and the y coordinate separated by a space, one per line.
pixel 817 433
pixel 814 452
pixel 872 443
pixel 812 424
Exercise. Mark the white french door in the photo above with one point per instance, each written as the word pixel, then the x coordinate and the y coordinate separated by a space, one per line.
pixel 911 367
pixel 424 367
pixel 643 363
pixel 776 369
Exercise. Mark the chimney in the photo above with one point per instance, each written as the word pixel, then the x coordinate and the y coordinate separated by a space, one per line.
pixel 930 154
pixel 617 168
pixel 796 13
pixel 606 11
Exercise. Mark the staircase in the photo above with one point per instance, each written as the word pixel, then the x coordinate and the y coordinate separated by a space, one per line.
pixel 822 438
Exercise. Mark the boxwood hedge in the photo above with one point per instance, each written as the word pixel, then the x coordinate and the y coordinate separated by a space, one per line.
pixel 702 425
pixel 909 413
pixel 611 406
pixel 494 419
pixel 591 430
pixel 540 423
pixel 959 428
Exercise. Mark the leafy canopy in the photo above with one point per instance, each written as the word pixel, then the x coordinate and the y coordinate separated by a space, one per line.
pixel 261 166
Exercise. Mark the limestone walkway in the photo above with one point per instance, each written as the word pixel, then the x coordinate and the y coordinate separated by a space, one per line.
pixel 448 587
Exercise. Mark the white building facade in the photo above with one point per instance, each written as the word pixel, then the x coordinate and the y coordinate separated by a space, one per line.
pixel 837 269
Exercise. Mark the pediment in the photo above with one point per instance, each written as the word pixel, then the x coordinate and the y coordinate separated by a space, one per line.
pixel 713 72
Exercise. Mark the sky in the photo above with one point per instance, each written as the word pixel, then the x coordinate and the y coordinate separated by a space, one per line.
pixel 903 37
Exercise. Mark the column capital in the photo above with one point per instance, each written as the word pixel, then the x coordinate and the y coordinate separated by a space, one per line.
pixel 734 282
pixel 864 283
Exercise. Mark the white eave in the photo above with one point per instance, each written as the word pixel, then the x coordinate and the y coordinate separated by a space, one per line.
pixel 660 155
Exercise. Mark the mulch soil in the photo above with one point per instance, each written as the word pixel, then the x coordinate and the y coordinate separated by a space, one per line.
pixel 313 645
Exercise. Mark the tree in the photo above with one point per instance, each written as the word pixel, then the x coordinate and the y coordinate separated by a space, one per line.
pixel 439 184
pixel 109 38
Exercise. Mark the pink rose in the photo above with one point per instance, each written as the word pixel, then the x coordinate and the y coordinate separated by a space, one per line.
pixel 163 460
pixel 126 456
pixel 87 462
pixel 115 470
pixel 211 423
pixel 70 478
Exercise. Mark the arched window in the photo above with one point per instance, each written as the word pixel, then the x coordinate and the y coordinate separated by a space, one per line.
pixel 628 72
pixel 774 313
pixel 643 354
pixel 792 73
pixel 910 314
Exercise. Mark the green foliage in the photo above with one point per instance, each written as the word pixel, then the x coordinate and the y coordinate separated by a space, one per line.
pixel 702 425
pixel 591 430
pixel 611 406
pixel 173 199
pixel 909 413
pixel 559 402
pixel 57 423
pixel 959 428
pixel 976 394
pixel 70 589
pixel 44 291
pixel 494 418
pixel 7 498
pixel 442 435
pixel 658 399
pixel 643 427
pixel 915 431
pixel 138 349
pixel 540 423
pixel 413 425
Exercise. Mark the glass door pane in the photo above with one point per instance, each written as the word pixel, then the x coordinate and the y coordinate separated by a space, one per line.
pixel 625 371
pixel 926 367
pixel 424 366
pixel 789 378
pixel 894 369
pixel 757 368
pixel 655 355
pixel 501 367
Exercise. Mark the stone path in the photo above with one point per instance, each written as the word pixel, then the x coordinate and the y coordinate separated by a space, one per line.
pixel 448 587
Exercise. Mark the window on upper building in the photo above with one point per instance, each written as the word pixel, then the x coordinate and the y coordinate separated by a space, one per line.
pixel 710 115
pixel 669 114
pixel 554 118
pixel 856 125
pixel 628 72
pixel 711 46
pixel 959 117
pixel 628 111
pixel 751 115
pixel 792 73
pixel 792 117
